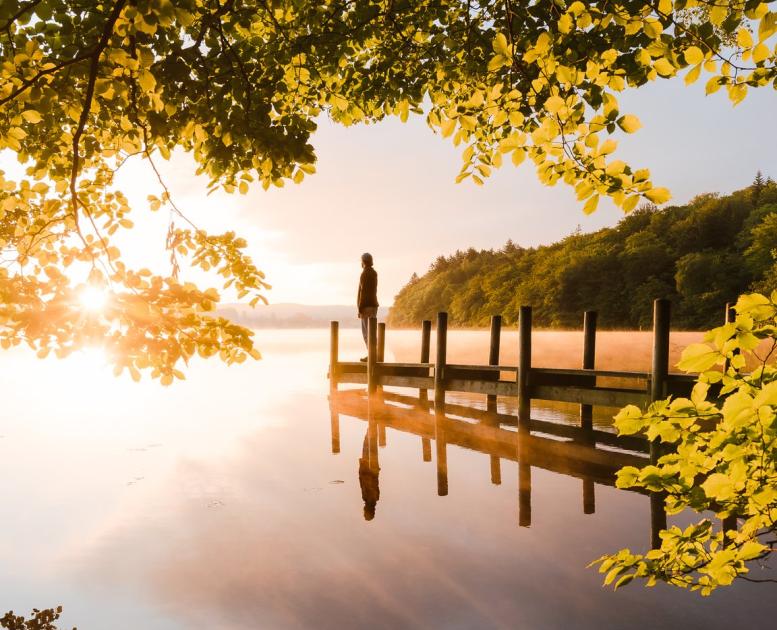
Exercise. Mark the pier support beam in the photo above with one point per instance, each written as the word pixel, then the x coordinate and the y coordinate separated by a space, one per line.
pixel 439 365
pixel 493 359
pixel 493 354
pixel 589 362
pixel 729 523
pixel 381 351
pixel 660 364
pixel 381 342
pixel 426 340
pixel 730 316
pixel 658 376
pixel 372 356
pixel 524 366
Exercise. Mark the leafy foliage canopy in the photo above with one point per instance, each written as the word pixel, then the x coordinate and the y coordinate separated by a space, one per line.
pixel 239 85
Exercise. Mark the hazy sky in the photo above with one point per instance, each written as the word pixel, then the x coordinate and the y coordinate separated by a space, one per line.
pixel 389 189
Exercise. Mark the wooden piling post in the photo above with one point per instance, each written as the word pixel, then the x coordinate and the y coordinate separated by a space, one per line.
pixel 493 359
pixel 731 314
pixel 729 317
pixel 524 366
pixel 660 368
pixel 381 352
pixel 381 435
pixel 334 333
pixel 729 523
pixel 372 355
pixel 381 342
pixel 658 375
pixel 493 354
pixel 589 362
pixel 426 340
pixel 439 365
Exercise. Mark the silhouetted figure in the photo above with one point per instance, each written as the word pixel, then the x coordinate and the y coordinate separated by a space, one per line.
pixel 368 479
pixel 367 298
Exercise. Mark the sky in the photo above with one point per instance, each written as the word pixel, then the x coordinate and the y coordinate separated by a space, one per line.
pixel 389 189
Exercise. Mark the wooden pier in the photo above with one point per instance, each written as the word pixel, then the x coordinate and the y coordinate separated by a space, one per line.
pixel 522 381
pixel 590 454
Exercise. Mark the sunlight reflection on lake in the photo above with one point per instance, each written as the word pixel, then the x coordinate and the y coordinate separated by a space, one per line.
pixel 217 503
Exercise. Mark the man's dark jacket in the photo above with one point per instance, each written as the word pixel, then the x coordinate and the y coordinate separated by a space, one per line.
pixel 368 289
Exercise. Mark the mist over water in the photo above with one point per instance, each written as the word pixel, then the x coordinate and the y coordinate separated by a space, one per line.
pixel 615 350
pixel 217 503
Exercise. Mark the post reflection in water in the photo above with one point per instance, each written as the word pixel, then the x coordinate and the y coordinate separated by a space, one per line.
pixel 524 495
pixel 334 419
pixel 442 453
pixel 563 449
pixel 589 497
pixel 426 449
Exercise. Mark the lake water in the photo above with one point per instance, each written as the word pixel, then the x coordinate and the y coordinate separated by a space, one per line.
pixel 218 503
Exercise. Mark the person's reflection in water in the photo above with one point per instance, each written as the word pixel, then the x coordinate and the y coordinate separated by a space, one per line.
pixel 368 478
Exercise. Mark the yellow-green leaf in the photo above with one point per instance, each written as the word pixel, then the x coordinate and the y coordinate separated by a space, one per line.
pixel 629 123
pixel 591 204
pixel 694 55
pixel 658 195
pixel 31 116
pixel 698 357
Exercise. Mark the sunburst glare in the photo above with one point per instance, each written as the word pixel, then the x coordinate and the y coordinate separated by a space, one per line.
pixel 93 298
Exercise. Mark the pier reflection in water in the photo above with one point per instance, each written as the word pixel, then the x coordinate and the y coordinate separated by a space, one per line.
pixel 591 455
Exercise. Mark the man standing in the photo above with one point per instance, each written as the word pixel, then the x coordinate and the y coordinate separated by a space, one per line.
pixel 367 298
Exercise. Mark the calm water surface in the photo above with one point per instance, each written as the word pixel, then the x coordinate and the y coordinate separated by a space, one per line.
pixel 218 503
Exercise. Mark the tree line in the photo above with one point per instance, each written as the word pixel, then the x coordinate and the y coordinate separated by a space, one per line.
pixel 699 255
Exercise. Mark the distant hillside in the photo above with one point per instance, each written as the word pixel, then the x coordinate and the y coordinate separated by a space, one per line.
pixel 700 256
pixel 292 315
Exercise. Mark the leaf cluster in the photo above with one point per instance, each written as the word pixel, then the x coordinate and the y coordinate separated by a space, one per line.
pixel 722 458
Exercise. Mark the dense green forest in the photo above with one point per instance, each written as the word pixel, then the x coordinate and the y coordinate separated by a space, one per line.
pixel 700 256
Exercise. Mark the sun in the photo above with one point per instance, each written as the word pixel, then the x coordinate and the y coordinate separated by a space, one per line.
pixel 93 298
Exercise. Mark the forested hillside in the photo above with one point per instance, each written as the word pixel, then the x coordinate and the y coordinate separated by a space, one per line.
pixel 700 255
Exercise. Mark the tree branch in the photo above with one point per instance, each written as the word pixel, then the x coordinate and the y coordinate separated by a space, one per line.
pixel 95 57
pixel 22 10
